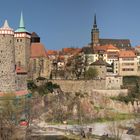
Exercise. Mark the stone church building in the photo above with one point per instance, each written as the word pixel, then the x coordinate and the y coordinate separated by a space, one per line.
pixel 97 41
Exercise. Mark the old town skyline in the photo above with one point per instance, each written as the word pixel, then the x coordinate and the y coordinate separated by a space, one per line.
pixel 69 23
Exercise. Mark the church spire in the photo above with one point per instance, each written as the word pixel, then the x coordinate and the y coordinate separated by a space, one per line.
pixel 21 27
pixel 21 24
pixel 95 24
pixel 95 34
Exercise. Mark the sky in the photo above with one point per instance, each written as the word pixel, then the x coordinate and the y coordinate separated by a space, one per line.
pixel 68 23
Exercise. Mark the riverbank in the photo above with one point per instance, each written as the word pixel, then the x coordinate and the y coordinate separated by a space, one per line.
pixel 98 129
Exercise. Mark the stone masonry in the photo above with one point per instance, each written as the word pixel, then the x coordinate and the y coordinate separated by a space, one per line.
pixel 7 59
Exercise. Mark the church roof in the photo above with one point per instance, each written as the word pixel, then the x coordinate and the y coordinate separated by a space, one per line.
pixel 38 50
pixel 21 27
pixel 119 43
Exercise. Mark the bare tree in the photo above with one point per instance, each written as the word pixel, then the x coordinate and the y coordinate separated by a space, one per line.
pixel 10 114
pixel 115 130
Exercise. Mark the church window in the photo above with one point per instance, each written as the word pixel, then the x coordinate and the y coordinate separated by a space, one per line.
pixel 17 40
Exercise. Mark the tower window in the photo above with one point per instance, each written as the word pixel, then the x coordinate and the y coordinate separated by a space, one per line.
pixel 20 40
pixel 17 40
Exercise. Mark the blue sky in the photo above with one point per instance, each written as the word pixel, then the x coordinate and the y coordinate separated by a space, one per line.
pixel 68 23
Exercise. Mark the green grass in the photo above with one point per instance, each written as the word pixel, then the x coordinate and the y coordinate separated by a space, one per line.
pixel 115 117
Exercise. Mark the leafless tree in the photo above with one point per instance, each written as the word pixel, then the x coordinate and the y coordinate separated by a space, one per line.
pixel 115 130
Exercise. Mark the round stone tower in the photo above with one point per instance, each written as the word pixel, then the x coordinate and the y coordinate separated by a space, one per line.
pixel 7 59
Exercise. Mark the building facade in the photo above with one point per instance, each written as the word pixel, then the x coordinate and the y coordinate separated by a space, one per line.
pixel 127 63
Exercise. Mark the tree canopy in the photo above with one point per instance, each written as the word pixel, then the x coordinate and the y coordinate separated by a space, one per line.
pixel 91 73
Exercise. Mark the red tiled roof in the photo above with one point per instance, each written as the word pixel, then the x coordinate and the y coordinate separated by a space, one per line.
pixel 51 52
pixel 127 53
pixel 38 50
pixel 105 48
pixel 71 50
pixel 137 47
pixel 20 70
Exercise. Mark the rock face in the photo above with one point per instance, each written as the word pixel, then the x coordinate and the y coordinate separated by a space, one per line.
pixel 105 102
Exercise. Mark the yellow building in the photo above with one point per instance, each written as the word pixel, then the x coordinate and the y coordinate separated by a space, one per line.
pixel 127 63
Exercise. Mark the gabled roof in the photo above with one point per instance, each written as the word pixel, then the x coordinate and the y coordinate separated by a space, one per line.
pixel 127 54
pixel 38 50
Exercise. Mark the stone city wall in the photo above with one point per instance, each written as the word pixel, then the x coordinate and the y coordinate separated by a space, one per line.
pixel 88 86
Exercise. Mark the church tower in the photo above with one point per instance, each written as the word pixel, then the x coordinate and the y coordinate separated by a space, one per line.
pixel 95 34
pixel 22 45
pixel 7 59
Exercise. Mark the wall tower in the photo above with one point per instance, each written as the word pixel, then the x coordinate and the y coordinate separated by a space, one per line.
pixel 22 45
pixel 7 59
